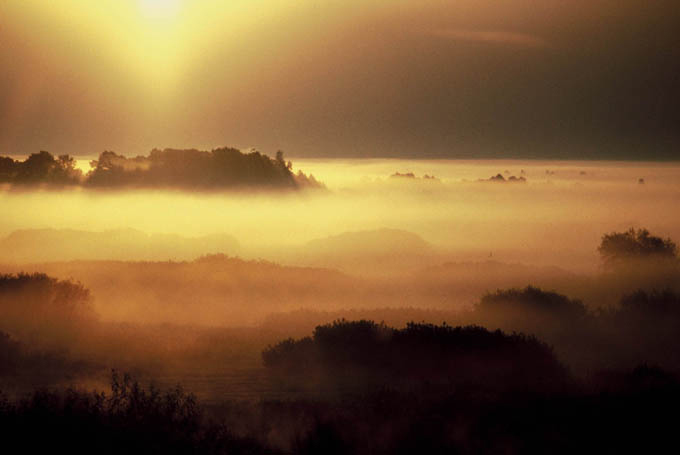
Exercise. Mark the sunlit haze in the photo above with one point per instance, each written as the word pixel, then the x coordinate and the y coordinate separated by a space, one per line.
pixel 470 79
pixel 339 227
pixel 160 9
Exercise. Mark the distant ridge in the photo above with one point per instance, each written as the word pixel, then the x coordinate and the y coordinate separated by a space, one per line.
pixel 378 251
pixel 38 245
pixel 385 240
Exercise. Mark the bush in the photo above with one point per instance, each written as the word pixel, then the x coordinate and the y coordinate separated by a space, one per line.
pixel 131 419
pixel 363 353
pixel 43 310
pixel 618 248
pixel 530 310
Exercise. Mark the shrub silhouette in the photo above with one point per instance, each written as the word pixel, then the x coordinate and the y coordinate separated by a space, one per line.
pixel 23 367
pixel 36 307
pixel 618 248
pixel 10 354
pixel 660 304
pixel 645 328
pixel 623 414
pixel 500 179
pixel 34 293
pixel 363 352
pixel 529 310
pixel 130 419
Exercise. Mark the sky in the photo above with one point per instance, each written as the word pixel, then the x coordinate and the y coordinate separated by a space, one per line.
pixel 549 79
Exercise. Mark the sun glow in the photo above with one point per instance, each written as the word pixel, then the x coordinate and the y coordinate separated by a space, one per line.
pixel 141 52
pixel 160 9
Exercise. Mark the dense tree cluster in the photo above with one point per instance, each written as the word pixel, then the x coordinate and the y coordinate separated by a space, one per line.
pixel 439 354
pixel 501 179
pixel 44 309
pixel 39 293
pixel 40 168
pixel 529 309
pixel 619 248
pixel 223 168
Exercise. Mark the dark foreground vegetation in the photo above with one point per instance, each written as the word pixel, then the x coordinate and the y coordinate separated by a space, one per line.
pixel 358 354
pixel 129 419
pixel 223 168
pixel 476 392
pixel 525 370
pixel 630 414
pixel 618 412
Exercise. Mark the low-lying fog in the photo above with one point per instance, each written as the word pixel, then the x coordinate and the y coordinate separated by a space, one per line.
pixel 555 217
pixel 186 285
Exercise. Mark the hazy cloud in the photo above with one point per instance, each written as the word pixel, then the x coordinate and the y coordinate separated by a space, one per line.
pixel 476 79
pixel 493 37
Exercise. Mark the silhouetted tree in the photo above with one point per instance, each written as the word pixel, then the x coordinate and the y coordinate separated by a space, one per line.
pixel 662 303
pixel 38 292
pixel 528 309
pixel 130 419
pixel 8 169
pixel 644 327
pixel 617 248
pixel 40 168
pixel 363 353
pixel 45 309
pixel 222 168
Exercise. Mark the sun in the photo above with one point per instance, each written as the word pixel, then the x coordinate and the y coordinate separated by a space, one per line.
pixel 160 9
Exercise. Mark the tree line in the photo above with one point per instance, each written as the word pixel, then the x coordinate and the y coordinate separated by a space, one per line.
pixel 222 168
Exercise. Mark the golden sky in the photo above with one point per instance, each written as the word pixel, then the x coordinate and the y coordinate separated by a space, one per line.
pixel 482 78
